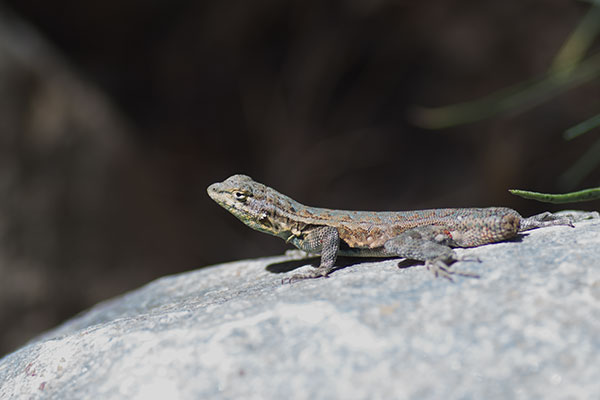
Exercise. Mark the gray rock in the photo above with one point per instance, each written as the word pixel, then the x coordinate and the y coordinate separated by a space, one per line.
pixel 528 328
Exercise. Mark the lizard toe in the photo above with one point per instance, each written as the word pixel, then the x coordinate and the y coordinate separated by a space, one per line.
pixel 314 274
pixel 440 269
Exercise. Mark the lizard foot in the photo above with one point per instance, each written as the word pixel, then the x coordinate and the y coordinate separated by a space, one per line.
pixel 313 274
pixel 567 218
pixel 440 269
pixel 544 219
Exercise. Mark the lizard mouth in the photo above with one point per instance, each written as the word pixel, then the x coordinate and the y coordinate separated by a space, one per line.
pixel 220 196
pixel 223 198
pixel 235 194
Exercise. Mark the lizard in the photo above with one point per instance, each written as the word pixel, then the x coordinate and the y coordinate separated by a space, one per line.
pixel 422 235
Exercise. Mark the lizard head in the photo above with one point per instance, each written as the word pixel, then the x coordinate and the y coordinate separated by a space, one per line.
pixel 247 200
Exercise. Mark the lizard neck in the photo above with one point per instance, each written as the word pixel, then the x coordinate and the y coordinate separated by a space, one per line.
pixel 283 215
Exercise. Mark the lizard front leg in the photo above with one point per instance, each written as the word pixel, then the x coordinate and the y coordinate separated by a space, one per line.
pixel 320 239
pixel 430 244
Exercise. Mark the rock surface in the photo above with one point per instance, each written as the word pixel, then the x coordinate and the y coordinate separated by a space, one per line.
pixel 528 328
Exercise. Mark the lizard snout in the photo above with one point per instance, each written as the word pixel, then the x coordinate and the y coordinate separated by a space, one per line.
pixel 212 190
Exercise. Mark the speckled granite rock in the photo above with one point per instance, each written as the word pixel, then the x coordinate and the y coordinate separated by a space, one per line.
pixel 528 328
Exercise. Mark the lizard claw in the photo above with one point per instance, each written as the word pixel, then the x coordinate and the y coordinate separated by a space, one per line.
pixel 468 258
pixel 440 269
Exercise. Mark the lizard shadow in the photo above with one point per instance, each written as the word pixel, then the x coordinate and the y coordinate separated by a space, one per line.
pixel 519 237
pixel 345 261
pixel 341 263
pixel 290 265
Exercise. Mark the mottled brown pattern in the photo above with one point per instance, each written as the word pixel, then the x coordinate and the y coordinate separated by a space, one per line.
pixel 304 212
pixel 343 217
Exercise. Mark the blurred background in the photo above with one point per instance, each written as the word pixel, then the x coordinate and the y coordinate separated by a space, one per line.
pixel 116 115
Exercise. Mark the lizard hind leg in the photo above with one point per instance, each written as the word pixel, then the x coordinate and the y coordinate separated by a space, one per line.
pixel 549 219
pixel 429 244
pixel 542 220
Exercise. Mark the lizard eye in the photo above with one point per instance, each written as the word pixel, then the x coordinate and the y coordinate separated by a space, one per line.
pixel 241 196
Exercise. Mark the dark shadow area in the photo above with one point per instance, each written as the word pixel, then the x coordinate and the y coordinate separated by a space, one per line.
pixel 519 237
pixel 288 266
pixel 406 263
pixel 341 263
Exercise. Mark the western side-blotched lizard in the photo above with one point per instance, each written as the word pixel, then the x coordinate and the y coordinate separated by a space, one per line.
pixel 424 235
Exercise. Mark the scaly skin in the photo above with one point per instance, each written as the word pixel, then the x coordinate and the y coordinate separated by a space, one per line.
pixel 424 235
